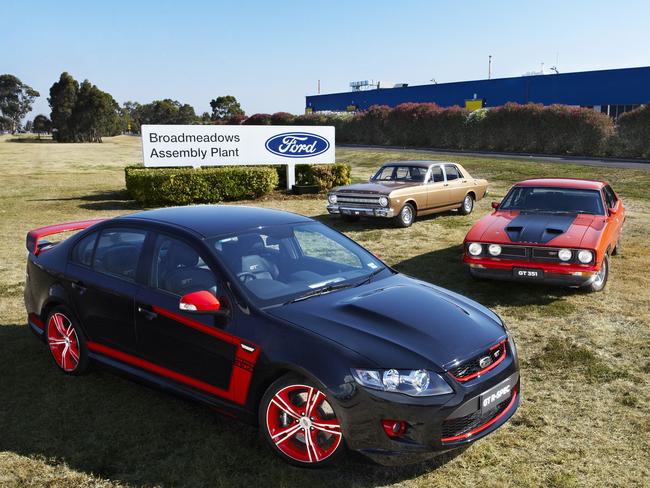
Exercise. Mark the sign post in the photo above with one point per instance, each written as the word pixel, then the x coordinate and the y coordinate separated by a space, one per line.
pixel 237 145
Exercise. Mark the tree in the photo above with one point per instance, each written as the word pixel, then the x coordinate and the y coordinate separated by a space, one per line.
pixel 62 100
pixel 29 126
pixel 41 125
pixel 16 100
pixel 167 112
pixel 226 108
pixel 131 114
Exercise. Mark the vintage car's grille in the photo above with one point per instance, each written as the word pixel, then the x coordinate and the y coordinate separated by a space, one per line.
pixel 472 368
pixel 530 253
pixel 357 201
pixel 462 425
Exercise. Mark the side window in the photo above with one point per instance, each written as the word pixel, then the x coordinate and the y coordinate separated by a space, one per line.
pixel 610 196
pixel 452 172
pixel 436 175
pixel 319 246
pixel 118 251
pixel 177 268
pixel 82 253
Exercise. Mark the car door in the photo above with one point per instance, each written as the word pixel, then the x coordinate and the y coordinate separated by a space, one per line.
pixel 102 274
pixel 195 349
pixel 616 214
pixel 438 194
pixel 456 183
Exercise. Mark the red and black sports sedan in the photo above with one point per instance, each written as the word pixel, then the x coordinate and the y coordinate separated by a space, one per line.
pixel 279 320
pixel 553 230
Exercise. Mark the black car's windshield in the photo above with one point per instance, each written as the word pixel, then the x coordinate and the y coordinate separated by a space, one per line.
pixel 294 262
pixel 553 200
pixel 400 173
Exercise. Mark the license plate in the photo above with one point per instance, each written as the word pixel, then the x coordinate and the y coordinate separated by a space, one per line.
pixel 528 273
pixel 497 394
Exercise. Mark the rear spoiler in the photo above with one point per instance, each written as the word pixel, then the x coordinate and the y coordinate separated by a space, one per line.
pixel 34 236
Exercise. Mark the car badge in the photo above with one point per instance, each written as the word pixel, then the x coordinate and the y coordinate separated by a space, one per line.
pixel 485 362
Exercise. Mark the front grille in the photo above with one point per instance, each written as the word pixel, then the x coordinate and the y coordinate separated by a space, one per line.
pixel 472 368
pixel 463 425
pixel 529 253
pixel 358 201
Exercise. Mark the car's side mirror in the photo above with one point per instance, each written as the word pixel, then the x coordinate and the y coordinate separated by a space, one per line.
pixel 495 205
pixel 201 302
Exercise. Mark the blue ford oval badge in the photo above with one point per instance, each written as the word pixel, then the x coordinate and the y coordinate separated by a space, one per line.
pixel 297 144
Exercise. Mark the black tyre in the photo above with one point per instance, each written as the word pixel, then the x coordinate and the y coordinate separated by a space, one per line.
pixel 467 206
pixel 299 423
pixel 601 278
pixel 406 216
pixel 66 341
pixel 617 249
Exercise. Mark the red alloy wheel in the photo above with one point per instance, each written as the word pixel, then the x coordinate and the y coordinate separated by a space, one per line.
pixel 302 424
pixel 63 341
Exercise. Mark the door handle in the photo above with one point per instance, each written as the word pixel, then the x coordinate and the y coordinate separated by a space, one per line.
pixel 79 286
pixel 148 314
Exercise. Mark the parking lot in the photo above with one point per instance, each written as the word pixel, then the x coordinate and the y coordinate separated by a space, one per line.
pixel 584 418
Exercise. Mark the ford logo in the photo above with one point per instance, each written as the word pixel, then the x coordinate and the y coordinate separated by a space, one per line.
pixel 297 144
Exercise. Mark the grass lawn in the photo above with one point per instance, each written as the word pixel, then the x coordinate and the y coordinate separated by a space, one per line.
pixel 584 418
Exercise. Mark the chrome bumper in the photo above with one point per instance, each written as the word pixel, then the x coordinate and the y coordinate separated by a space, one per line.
pixel 362 212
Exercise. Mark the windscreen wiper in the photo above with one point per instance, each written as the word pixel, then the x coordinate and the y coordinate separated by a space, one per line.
pixel 369 278
pixel 319 291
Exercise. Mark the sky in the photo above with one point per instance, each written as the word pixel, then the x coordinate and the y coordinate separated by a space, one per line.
pixel 271 54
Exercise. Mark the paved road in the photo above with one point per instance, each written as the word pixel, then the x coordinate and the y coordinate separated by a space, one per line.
pixel 611 163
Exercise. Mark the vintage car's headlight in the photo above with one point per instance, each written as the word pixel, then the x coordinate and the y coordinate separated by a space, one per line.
pixel 332 198
pixel 418 382
pixel 383 201
pixel 475 249
pixel 564 254
pixel 585 256
pixel 494 249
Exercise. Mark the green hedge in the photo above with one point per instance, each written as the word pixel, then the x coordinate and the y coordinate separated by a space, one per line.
pixel 634 132
pixel 326 176
pixel 183 186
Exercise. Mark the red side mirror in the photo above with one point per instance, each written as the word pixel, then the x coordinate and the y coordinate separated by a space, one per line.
pixel 200 302
pixel 495 205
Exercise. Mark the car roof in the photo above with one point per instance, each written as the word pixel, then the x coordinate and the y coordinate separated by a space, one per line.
pixel 577 183
pixel 420 163
pixel 214 220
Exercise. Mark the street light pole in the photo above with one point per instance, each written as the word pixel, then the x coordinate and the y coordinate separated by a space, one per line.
pixel 490 67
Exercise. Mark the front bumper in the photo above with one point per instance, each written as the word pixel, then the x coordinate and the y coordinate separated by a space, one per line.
pixel 385 212
pixel 430 420
pixel 552 274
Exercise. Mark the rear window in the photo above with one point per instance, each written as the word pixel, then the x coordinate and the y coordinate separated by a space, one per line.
pixel 82 253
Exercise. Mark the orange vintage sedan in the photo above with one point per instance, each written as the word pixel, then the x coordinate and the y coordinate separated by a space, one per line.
pixel 551 230
pixel 402 190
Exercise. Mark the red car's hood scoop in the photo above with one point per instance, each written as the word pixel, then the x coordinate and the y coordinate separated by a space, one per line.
pixel 538 228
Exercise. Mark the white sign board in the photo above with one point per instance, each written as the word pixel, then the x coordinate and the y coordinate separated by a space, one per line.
pixel 237 145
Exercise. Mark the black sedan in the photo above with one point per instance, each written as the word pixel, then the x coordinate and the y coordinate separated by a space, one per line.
pixel 276 319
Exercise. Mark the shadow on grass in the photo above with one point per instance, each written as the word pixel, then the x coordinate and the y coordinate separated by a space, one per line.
pixel 107 200
pixel 369 223
pixel 31 140
pixel 108 426
pixel 444 267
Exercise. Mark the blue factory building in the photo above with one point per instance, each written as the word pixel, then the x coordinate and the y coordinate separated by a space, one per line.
pixel 611 91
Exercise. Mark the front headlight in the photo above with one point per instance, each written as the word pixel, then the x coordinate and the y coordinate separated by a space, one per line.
pixel 564 254
pixel 494 249
pixel 383 201
pixel 585 256
pixel 418 382
pixel 332 198
pixel 475 249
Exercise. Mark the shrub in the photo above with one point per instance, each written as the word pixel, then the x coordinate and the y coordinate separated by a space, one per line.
pixel 183 186
pixel 326 176
pixel 282 118
pixel 634 131
pixel 258 119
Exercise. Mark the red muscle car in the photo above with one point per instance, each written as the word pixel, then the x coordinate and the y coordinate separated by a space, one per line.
pixel 551 230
